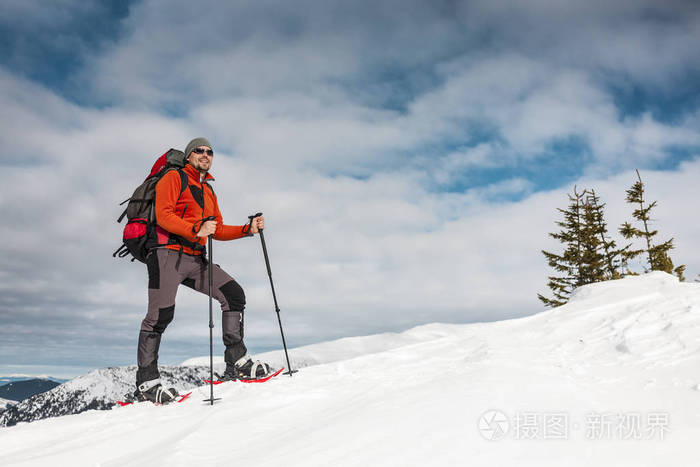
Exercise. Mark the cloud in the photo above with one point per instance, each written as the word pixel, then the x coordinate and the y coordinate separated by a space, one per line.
pixel 261 48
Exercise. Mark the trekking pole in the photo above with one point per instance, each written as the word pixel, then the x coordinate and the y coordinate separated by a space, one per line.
pixel 211 317
pixel 274 296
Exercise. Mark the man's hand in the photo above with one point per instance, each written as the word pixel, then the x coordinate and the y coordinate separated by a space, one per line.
pixel 257 224
pixel 208 228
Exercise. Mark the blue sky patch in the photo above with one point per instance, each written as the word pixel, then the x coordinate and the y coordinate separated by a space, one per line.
pixel 49 41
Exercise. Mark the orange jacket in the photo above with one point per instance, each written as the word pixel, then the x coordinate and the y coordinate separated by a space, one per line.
pixel 182 215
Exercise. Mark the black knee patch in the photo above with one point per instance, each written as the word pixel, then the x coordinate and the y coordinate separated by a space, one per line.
pixel 165 316
pixel 153 271
pixel 188 283
pixel 234 295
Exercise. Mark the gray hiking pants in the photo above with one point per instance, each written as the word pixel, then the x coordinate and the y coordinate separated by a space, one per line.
pixel 167 269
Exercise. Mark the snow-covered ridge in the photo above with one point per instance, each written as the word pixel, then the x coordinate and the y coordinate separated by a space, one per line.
pixel 650 320
pixel 27 376
pixel 98 389
pixel 419 398
pixel 341 349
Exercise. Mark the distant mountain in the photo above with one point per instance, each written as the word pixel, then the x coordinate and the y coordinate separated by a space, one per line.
pixel 11 379
pixel 98 389
pixel 20 390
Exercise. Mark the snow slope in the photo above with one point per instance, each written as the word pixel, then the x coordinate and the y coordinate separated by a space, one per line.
pixel 622 359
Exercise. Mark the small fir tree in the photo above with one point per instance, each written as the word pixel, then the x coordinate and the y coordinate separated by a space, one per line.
pixel 657 255
pixel 568 262
pixel 595 219
pixel 593 261
pixel 581 261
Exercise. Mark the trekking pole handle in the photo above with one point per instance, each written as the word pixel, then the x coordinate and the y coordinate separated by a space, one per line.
pixel 250 220
pixel 201 223
pixel 206 219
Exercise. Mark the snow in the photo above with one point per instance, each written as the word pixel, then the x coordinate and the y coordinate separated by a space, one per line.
pixel 627 348
pixel 23 376
pixel 5 402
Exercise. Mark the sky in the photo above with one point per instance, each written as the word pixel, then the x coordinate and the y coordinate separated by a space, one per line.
pixel 409 157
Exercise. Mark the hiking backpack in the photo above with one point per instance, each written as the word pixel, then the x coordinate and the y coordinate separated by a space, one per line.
pixel 139 231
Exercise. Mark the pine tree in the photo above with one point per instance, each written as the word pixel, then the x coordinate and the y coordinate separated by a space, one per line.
pixel 595 219
pixel 568 263
pixel 657 255
pixel 593 262
pixel 582 261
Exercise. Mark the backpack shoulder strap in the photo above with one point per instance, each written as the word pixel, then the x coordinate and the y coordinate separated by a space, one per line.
pixel 184 183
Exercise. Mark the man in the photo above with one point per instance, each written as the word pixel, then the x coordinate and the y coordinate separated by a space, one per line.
pixel 178 257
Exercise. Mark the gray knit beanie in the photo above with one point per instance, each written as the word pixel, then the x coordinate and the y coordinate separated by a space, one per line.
pixel 195 143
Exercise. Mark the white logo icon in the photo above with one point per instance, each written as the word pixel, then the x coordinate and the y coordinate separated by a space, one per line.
pixel 493 425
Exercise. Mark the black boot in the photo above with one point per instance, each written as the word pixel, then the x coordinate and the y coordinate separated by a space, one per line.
pixel 154 392
pixel 246 368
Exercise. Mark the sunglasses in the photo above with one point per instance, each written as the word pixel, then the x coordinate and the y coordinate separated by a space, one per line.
pixel 202 151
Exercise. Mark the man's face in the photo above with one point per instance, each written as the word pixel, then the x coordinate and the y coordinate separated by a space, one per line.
pixel 201 158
